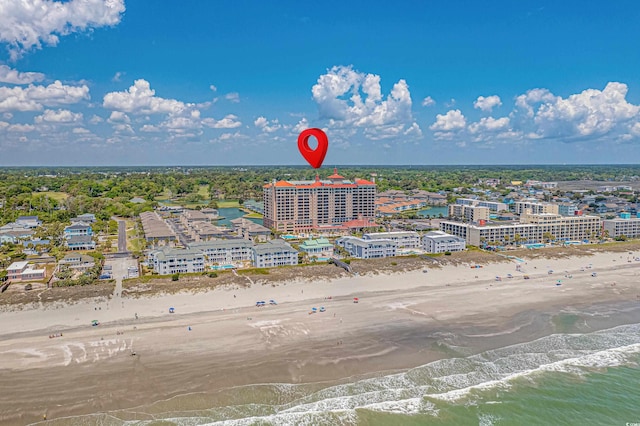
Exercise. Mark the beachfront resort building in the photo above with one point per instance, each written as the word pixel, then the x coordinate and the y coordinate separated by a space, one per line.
pixel 274 253
pixel 441 242
pixel 629 227
pixel 468 213
pixel 368 249
pixel 22 271
pixel 168 260
pixel 403 239
pixel 304 206
pixel 234 251
pixel 532 228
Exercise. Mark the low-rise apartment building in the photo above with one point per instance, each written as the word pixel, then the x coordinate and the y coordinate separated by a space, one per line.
pixel 629 227
pixel 368 249
pixel 224 252
pixel 274 253
pixel 403 239
pixel 441 242
pixel 168 260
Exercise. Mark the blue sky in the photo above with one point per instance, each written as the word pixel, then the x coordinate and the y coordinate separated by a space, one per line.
pixel 122 82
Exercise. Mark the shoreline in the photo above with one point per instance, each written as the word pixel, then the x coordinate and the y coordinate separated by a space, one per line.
pixel 400 322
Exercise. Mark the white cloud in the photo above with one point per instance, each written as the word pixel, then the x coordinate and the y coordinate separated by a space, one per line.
pixel 488 103
pixel 349 98
pixel 3 125
pixel 28 24
pixel 59 116
pixel 213 88
pixel 229 137
pixel 591 112
pixel 303 124
pixel 230 121
pixel 11 76
pixel 96 119
pixel 489 124
pixel 267 126
pixel 428 101
pixel 118 117
pixel 532 97
pixel 21 128
pixel 7 115
pixel 34 97
pixel 232 97
pixel 80 131
pixel 453 120
pixel 117 76
pixel 141 99
pixel 148 128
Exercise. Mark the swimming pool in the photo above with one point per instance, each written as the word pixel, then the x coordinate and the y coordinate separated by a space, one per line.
pixel 534 246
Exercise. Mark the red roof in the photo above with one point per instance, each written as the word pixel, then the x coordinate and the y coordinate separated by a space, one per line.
pixel 364 182
pixel 360 223
pixel 335 174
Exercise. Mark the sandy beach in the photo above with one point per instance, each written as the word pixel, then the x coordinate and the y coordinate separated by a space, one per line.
pixel 219 339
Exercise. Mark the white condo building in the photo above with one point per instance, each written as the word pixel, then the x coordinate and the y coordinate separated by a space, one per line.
pixel 440 242
pixel 532 228
pixel 368 249
pixel 225 251
pixel 403 239
pixel 468 213
pixel 617 227
pixel 274 253
pixel 167 260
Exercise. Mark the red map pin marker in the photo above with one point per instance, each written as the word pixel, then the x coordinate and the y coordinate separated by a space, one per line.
pixel 314 157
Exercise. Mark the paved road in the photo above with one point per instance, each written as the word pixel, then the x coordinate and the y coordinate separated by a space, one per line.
pixel 122 236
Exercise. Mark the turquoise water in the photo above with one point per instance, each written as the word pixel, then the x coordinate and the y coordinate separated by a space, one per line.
pixel 566 378
pixel 232 213
pixel 434 211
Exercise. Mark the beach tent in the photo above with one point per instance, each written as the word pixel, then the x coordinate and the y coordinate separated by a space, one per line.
pixel 171 310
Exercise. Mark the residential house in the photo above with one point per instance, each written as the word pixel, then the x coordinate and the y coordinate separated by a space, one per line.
pixel 78 229
pixel 78 261
pixel 80 242
pixel 319 248
pixel 29 221
pixel 22 271
pixel 274 253
pixel 86 218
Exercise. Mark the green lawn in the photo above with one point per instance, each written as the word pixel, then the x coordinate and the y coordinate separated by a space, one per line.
pixel 58 196
pixel 223 204
pixel 253 215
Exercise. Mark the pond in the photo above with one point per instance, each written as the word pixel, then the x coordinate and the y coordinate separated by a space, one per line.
pixel 232 213
pixel 434 211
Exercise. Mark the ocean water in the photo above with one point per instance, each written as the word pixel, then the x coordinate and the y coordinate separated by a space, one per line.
pixel 567 378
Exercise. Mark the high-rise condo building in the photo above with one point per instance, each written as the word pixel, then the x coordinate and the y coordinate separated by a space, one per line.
pixel 302 206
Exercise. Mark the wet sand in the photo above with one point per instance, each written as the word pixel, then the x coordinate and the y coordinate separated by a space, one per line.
pixel 401 321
